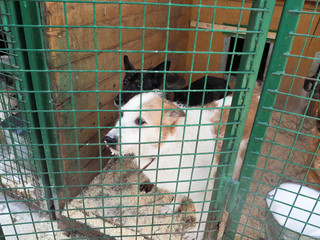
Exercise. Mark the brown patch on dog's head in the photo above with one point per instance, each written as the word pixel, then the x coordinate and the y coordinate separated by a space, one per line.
pixel 167 111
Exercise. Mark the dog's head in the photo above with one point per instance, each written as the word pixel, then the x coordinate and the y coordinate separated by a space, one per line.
pixel 151 79
pixel 143 118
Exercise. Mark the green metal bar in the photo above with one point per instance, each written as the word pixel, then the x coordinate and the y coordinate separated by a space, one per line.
pixel 1 234
pixel 135 28
pixel 42 101
pixel 288 24
pixel 253 43
pixel 122 51
pixel 152 3
pixel 120 134
pixel 21 59
pixel 223 194
pixel 118 71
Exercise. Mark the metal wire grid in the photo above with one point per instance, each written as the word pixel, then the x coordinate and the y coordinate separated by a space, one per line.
pixel 9 102
pixel 48 111
pixel 72 91
pixel 284 153
pixel 122 195
pixel 24 198
pixel 74 109
pixel 17 159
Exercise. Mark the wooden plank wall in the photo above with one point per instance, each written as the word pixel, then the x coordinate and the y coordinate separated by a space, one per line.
pixel 231 17
pixel 83 38
pixel 221 16
pixel 86 37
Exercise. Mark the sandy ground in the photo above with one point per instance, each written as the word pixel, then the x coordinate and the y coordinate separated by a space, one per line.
pixel 138 213
pixel 281 162
pixel 18 218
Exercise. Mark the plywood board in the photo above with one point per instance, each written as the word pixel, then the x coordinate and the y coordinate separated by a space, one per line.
pixel 106 35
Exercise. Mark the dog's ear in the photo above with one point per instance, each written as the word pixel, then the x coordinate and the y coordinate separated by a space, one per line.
pixel 160 67
pixel 127 63
pixel 170 117
pixel 157 78
pixel 172 114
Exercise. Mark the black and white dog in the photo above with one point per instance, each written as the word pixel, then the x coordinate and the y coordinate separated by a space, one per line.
pixel 213 88
pixel 152 78
pixel 202 92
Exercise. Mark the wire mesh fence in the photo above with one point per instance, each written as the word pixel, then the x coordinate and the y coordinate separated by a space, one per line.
pixel 284 138
pixel 171 88
pixel 20 168
pixel 25 194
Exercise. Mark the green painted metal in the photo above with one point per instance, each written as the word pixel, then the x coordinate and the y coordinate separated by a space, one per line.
pixel 33 171
pixel 288 24
pixel 34 40
pixel 259 21
pixel 1 234
pixel 233 196
pixel 20 59
pixel 229 196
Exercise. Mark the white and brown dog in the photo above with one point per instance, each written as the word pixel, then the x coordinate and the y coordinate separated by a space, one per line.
pixel 176 146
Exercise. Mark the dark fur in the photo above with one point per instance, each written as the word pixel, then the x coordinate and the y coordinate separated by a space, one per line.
pixel 146 187
pixel 215 87
pixel 151 80
pixel 215 90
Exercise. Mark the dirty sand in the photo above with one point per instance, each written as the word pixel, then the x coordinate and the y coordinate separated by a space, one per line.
pixel 284 160
pixel 135 213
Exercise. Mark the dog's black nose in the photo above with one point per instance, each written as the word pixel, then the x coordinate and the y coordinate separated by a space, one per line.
pixel 109 139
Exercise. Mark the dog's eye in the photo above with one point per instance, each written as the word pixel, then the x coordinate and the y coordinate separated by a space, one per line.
pixel 139 121
pixel 138 86
pixel 121 114
pixel 125 81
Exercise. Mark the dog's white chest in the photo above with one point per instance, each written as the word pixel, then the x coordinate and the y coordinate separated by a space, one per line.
pixel 184 160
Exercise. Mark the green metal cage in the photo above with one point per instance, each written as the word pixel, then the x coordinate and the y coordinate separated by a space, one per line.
pixel 61 68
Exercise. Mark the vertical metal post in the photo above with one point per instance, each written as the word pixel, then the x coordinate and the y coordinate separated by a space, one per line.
pixel 2 237
pixel 21 60
pixel 289 22
pixel 33 38
pixel 254 43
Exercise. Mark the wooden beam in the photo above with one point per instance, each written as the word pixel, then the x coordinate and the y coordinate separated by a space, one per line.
pixel 204 25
